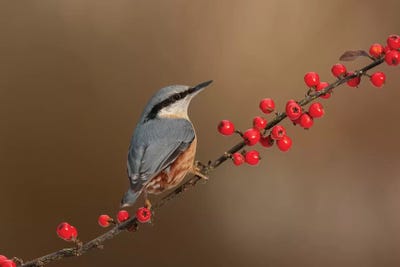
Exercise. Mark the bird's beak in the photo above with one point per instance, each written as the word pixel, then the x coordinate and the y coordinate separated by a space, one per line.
pixel 201 86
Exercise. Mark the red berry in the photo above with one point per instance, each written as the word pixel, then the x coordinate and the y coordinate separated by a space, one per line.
pixel 237 158
pixel 316 110
pixel 104 220
pixel 3 258
pixel 259 123
pixel 74 232
pixel 226 127
pixel 296 121
pixel 393 41
pixel 320 87
pixel 376 50
pixel 252 157
pixel 293 110
pixel 386 49
pixel 284 144
pixel 267 105
pixel 392 58
pixel 143 215
pixel 7 263
pixel 306 121
pixel 122 216
pixel 311 79
pixel 355 81
pixel 290 101
pixel 278 132
pixel 251 136
pixel 66 231
pixel 378 79
pixel 339 70
pixel 266 141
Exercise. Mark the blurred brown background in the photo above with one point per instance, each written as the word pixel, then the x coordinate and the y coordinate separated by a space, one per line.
pixel 74 76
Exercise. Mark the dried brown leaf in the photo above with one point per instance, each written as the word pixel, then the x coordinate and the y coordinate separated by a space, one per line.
pixel 352 55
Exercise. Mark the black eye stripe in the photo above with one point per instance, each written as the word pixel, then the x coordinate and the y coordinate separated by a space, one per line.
pixel 167 102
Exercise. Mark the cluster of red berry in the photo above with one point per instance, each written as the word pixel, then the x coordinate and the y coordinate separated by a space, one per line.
pixel 296 113
pixel 305 119
pixel 6 262
pixel 277 134
pixel 68 232
pixel 391 51
pixel 254 135
pixel 143 215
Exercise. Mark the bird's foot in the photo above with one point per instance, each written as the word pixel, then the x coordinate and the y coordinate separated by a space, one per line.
pixel 196 170
pixel 199 165
pixel 147 204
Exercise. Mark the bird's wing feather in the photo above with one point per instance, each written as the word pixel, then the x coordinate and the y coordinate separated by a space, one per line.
pixel 154 146
pixel 176 150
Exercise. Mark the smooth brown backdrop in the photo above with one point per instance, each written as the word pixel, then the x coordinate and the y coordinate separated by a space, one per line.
pixel 74 76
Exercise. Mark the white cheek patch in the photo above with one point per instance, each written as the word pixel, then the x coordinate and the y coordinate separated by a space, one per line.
pixel 176 110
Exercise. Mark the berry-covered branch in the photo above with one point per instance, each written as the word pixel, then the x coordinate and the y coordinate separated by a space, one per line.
pixel 262 132
pixel 322 89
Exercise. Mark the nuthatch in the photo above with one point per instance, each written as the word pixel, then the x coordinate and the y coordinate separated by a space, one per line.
pixel 163 145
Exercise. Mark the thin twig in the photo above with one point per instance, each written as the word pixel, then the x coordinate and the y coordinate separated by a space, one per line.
pixel 205 169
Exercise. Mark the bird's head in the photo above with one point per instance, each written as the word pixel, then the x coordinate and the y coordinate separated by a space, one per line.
pixel 172 101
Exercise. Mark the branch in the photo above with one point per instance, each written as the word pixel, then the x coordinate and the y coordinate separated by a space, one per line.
pixel 132 223
pixel 206 169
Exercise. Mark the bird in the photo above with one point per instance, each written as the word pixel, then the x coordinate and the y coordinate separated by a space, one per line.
pixel 163 145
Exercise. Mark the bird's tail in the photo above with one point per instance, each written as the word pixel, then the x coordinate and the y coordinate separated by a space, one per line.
pixel 129 198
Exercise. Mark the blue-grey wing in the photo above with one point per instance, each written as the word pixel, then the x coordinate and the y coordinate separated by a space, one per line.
pixel 154 146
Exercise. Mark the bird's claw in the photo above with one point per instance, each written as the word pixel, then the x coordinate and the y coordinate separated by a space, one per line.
pixel 199 165
pixel 196 170
pixel 147 204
